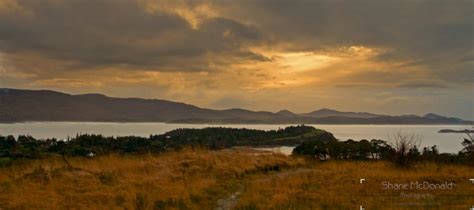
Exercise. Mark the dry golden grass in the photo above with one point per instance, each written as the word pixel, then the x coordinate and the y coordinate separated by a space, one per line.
pixel 175 180
pixel 196 179
pixel 335 185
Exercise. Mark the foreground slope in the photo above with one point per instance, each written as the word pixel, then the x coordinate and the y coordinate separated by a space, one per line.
pixel 233 179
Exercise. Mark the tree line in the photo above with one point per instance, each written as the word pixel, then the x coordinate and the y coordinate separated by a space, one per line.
pixel 405 152
pixel 311 142
pixel 25 146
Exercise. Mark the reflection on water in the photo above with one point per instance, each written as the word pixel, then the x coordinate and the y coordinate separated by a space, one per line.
pixel 279 150
pixel 447 142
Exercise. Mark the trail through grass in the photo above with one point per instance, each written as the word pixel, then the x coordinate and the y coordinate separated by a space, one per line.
pixel 226 179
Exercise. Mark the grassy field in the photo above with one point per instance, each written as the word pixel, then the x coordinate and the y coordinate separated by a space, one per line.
pixel 238 179
pixel 336 185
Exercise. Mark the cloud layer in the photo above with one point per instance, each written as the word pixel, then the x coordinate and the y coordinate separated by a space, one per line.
pixel 298 54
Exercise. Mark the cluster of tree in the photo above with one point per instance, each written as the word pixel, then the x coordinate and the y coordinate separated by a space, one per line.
pixel 403 153
pixel 350 149
pixel 218 138
pixel 213 138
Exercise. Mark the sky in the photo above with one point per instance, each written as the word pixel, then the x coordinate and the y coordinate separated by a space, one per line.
pixel 389 57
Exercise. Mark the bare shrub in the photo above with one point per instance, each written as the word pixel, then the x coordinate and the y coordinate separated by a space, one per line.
pixel 405 147
pixel 467 153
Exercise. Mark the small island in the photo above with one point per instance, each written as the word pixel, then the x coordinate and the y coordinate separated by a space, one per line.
pixel 455 131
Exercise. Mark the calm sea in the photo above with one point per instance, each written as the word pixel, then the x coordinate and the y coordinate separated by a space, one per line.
pixel 446 142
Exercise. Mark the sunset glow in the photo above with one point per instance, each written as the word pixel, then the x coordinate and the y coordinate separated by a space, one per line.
pixel 206 52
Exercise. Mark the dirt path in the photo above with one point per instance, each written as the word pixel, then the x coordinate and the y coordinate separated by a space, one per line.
pixel 231 201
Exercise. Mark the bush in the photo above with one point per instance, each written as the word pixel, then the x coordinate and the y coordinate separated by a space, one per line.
pixel 405 150
pixel 5 161
pixel 467 153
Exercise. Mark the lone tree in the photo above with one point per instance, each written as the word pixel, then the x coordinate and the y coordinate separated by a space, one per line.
pixel 406 151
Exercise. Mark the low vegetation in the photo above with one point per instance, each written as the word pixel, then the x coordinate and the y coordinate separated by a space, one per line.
pixel 183 169
pixel 185 179
pixel 204 179
pixel 336 185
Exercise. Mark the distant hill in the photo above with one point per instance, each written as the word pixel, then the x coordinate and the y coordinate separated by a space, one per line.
pixel 333 113
pixel 286 113
pixel 46 105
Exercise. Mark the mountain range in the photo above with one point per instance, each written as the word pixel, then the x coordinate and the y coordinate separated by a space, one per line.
pixel 46 105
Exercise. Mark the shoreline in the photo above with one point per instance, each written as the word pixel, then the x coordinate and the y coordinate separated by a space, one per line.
pixel 242 123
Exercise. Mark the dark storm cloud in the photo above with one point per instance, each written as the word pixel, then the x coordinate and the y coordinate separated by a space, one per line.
pixel 108 32
pixel 436 35
pixel 423 25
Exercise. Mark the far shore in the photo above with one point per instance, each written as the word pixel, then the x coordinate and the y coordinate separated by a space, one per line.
pixel 456 131
pixel 251 123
